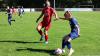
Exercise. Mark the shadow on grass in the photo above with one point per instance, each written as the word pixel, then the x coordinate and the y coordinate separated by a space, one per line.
pixel 10 41
pixel 38 50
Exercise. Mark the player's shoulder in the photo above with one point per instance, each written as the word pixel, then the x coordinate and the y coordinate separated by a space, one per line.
pixel 51 8
pixel 73 18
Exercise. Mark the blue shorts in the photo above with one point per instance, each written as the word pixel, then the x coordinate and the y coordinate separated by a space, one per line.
pixel 73 35
pixel 9 17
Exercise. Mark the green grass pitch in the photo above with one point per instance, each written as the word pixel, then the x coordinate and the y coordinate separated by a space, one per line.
pixel 22 39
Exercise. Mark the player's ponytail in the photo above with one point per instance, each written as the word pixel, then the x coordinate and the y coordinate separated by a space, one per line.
pixel 47 3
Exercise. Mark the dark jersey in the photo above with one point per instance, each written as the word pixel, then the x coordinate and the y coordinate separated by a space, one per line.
pixel 9 12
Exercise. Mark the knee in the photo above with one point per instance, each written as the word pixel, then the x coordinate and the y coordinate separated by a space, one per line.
pixel 65 41
pixel 69 39
pixel 65 38
pixel 37 29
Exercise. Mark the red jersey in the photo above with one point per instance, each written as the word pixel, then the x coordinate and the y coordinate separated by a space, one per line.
pixel 13 10
pixel 48 12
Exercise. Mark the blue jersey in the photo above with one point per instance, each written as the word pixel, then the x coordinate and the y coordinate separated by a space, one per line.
pixel 73 22
pixel 19 10
pixel 74 28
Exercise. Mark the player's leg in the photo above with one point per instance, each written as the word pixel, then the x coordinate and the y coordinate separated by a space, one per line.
pixel 39 27
pixel 9 20
pixel 67 42
pixel 63 43
pixel 46 36
pixel 23 11
pixel 19 14
pixel 72 35
pixel 46 33
pixel 12 20
pixel 71 51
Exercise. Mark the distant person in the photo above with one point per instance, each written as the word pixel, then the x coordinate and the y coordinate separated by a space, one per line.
pixel 75 32
pixel 19 11
pixel 13 10
pixel 47 14
pixel 22 10
pixel 9 12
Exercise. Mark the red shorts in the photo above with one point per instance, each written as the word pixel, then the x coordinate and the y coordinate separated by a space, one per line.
pixel 44 25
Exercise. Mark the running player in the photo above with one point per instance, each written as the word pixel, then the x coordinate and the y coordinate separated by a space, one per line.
pixel 47 14
pixel 9 12
pixel 13 10
pixel 20 11
pixel 75 32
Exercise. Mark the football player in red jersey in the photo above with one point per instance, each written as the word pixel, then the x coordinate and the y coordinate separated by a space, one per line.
pixel 47 14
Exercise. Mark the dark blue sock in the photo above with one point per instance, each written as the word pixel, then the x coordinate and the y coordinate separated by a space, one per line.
pixel 63 44
pixel 68 45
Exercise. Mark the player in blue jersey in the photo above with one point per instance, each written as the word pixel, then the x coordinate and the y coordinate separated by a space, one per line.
pixel 75 32
pixel 9 12
pixel 20 11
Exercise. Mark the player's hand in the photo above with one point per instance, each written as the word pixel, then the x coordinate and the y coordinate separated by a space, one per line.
pixel 37 21
pixel 5 13
pixel 79 35
pixel 55 19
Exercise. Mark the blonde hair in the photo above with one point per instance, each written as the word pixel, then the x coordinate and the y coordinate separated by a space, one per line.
pixel 47 3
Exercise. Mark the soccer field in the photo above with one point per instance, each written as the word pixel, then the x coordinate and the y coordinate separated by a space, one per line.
pixel 22 39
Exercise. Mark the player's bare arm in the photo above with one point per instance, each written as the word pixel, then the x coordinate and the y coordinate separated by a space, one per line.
pixel 56 16
pixel 39 17
pixel 62 18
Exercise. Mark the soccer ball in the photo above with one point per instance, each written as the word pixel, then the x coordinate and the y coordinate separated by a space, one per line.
pixel 58 51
